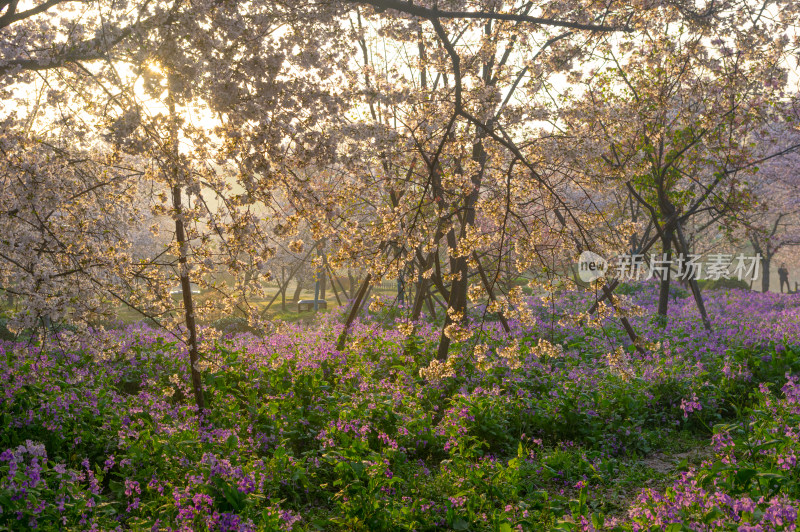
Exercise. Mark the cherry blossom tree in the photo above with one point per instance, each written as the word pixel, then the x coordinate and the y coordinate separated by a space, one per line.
pixel 674 111
pixel 437 146
pixel 70 205
pixel 773 226
pixel 67 219
pixel 434 169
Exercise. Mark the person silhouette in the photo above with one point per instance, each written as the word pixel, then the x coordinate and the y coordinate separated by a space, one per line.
pixel 783 275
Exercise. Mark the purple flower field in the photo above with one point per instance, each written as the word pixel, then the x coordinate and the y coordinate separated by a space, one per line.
pixel 554 427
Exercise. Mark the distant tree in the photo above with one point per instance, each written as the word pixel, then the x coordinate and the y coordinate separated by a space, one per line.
pixel 773 227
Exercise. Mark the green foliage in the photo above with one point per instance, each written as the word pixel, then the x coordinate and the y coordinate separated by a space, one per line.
pixel 5 334
pixel 299 435
pixel 235 325
pixel 719 284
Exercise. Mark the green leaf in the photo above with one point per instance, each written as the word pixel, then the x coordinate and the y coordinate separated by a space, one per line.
pixel 767 444
pixel 712 515
pixel 460 524
pixel 771 476
pixel 357 467
pixel 745 475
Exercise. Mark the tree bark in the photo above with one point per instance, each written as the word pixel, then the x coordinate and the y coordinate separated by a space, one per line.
pixel 333 285
pixel 490 291
pixel 354 308
pixel 283 288
pixel 458 289
pixel 188 303
pixel 297 290
pixel 663 294
pixel 401 289
pixel 457 301
pixel 183 248
pixel 335 280
pixel 682 247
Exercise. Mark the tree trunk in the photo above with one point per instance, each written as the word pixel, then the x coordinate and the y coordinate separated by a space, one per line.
pixel 333 286
pixel 183 248
pixel 663 295
pixel 283 288
pixel 354 308
pixel 188 303
pixel 458 299
pixel 682 247
pixel 490 291
pixel 422 288
pixel 335 280
pixel 297 289
pixel 401 289
pixel 458 290
pixel 765 262
pixel 419 298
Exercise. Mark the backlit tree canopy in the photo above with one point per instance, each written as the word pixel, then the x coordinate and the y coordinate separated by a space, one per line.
pixel 451 144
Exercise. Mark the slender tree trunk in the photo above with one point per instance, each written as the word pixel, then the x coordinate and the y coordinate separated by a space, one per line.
pixel 333 285
pixel 457 302
pixel 459 266
pixel 283 288
pixel 335 280
pixel 490 291
pixel 419 298
pixel 431 306
pixel 319 289
pixel 183 249
pixel 316 295
pixel 297 290
pixel 766 259
pixel 422 284
pixel 354 308
pixel 401 289
pixel 188 303
pixel 682 247
pixel 663 295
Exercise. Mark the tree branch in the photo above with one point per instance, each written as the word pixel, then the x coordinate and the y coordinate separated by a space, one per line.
pixel 432 13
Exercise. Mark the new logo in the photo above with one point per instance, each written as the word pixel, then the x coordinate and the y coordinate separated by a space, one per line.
pixel 591 266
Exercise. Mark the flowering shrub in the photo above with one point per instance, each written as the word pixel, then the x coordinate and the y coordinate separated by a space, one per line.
pixel 36 491
pixel 753 482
